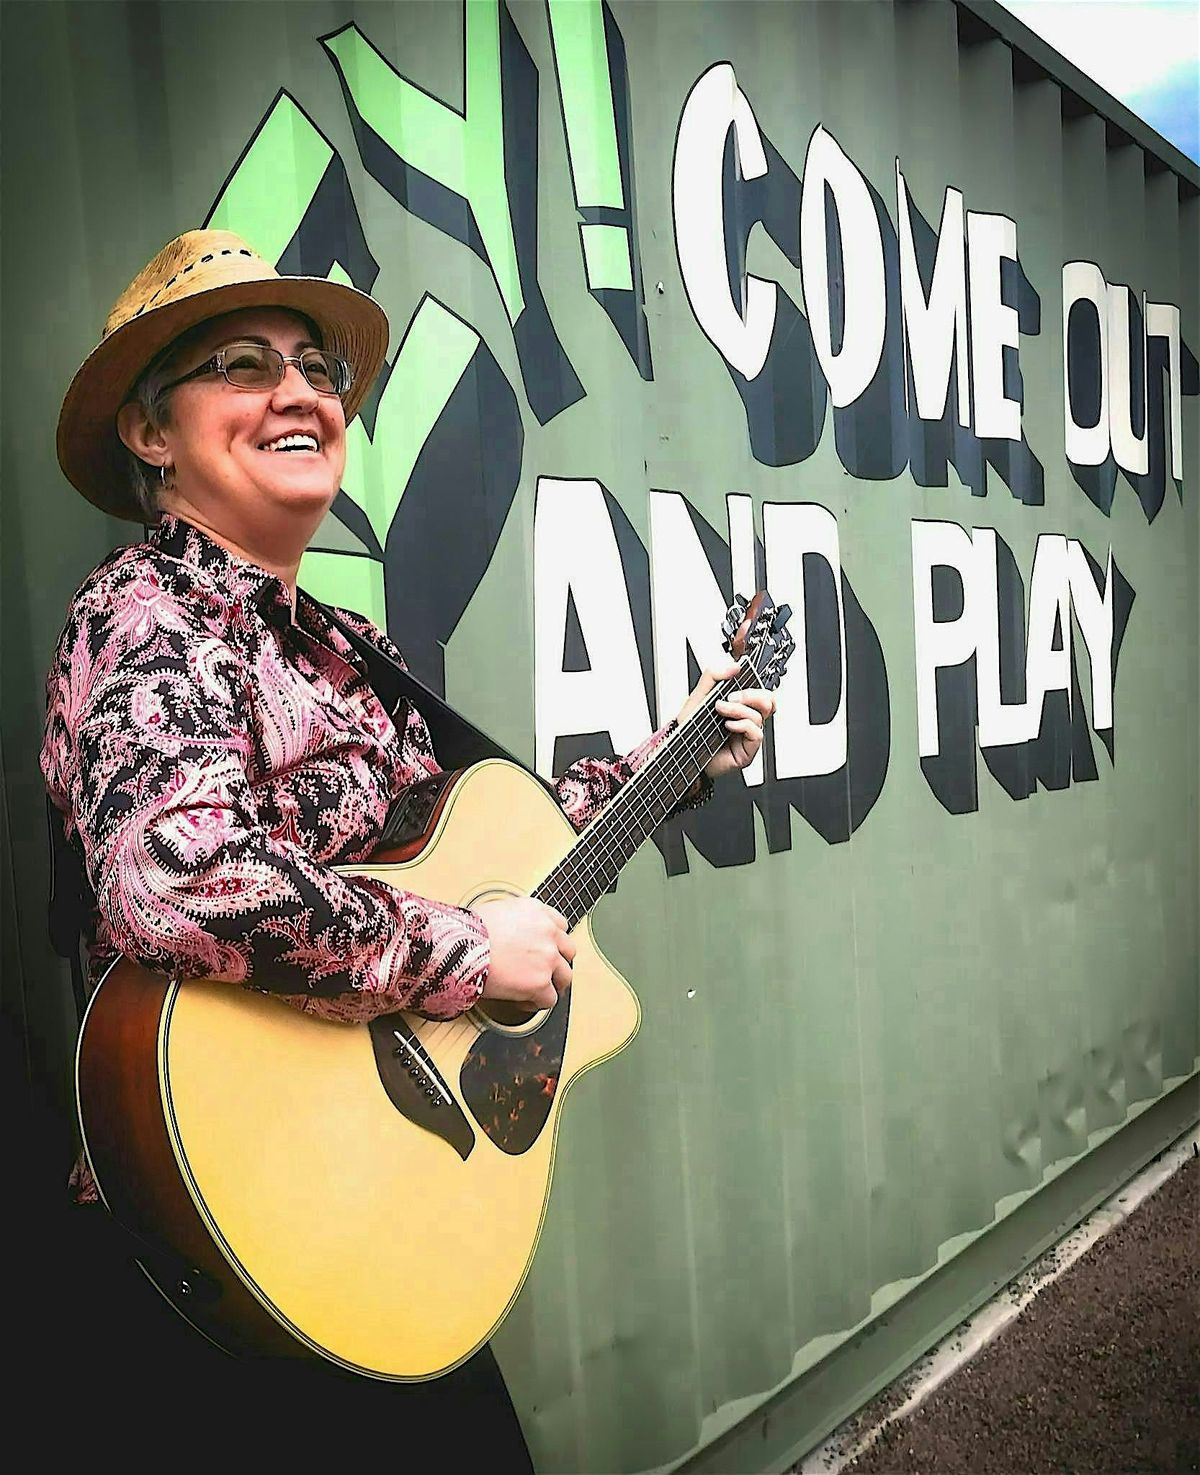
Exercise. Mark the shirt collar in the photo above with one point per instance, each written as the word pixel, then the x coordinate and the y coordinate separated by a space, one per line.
pixel 244 580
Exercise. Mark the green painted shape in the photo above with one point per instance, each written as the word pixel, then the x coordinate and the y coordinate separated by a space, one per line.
pixel 270 190
pixel 606 256
pixel 342 578
pixel 432 359
pixel 585 86
pixel 463 153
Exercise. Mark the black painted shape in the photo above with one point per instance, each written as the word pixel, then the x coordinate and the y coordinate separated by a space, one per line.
pixel 1137 367
pixel 1085 387
pixel 550 382
pixel 347 510
pixel 575 653
pixel 330 231
pixel 1011 626
pixel 716 551
pixel 1018 468
pixel 1123 597
pixel 415 1086
pixel 721 830
pixel 950 773
pixel 1083 757
pixel 509 1081
pixel 449 520
pixel 1051 749
pixel 871 435
pixel 625 307
pixel 835 269
pixel 569 747
pixel 785 403
pixel 1098 483
pixel 1151 487
pixel 949 597
pixel 825 676
pixel 1017 292
pixel 836 804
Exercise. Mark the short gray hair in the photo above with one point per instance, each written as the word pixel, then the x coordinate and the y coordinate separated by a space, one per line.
pixel 145 481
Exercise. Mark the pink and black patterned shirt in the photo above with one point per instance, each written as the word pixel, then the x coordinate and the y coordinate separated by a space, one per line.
pixel 215 757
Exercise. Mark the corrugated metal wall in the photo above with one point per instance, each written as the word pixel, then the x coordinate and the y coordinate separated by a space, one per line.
pixel 884 1001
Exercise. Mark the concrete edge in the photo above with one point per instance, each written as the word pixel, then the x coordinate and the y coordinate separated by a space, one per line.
pixel 971 1336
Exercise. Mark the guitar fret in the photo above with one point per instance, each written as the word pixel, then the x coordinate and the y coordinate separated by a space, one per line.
pixel 598 856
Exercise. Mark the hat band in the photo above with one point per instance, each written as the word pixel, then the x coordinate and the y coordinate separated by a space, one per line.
pixel 170 282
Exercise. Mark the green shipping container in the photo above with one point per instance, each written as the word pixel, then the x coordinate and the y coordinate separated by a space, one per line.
pixel 880 304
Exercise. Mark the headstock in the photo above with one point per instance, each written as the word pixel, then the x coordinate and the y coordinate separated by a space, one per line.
pixel 756 628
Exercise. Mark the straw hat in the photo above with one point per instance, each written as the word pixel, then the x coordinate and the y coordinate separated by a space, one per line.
pixel 197 276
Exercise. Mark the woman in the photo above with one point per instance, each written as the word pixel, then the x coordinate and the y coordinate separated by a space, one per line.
pixel 212 739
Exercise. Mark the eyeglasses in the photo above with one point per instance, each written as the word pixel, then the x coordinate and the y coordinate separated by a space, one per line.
pixel 255 366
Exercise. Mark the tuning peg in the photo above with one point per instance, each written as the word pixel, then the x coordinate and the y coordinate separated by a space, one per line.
pixel 783 613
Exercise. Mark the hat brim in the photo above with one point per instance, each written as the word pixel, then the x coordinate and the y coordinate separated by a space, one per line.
pixel 91 453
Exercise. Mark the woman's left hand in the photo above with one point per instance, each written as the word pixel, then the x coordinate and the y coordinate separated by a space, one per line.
pixel 744 714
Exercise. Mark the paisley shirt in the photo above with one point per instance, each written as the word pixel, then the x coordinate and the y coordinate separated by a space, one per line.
pixel 215 756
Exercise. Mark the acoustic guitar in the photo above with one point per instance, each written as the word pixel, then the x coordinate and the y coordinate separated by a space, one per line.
pixel 373 1194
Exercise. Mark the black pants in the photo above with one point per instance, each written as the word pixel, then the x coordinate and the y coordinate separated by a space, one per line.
pixel 140 1380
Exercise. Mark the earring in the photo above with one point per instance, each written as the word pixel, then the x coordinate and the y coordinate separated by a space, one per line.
pixel 162 472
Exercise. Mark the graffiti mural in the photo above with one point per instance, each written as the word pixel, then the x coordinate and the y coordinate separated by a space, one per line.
pixel 905 336
pixel 863 303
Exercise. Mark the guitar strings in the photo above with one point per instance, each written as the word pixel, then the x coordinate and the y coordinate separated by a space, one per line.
pixel 589 864
pixel 666 781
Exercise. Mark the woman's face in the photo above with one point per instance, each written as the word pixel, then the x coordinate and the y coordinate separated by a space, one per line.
pixel 223 442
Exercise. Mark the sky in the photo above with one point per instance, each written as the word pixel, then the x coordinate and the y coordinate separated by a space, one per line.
pixel 1145 52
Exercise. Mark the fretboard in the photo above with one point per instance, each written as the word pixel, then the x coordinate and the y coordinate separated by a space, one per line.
pixel 595 860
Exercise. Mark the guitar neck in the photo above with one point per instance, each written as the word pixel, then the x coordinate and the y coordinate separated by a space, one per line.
pixel 597 858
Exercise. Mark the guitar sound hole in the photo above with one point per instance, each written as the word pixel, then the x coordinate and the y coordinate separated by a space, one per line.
pixel 511 1018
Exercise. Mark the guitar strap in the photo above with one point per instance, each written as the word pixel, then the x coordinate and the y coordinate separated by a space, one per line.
pixel 457 742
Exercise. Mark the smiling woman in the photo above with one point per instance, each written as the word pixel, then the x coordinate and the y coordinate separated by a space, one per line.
pixel 217 751
pixel 257 469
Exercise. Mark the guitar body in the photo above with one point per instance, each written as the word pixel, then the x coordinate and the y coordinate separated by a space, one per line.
pixel 372 1194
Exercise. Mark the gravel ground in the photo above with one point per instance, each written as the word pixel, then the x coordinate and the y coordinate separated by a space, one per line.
pixel 1100 1375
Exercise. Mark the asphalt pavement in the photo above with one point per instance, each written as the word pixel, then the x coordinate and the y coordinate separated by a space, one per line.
pixel 1098 1374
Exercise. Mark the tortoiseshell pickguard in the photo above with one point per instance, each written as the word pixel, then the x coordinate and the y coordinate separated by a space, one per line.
pixel 508 1082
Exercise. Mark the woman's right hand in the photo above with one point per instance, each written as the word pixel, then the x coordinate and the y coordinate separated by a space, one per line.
pixel 531 951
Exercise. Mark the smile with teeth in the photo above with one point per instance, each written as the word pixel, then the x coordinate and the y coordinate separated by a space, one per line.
pixel 295 442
